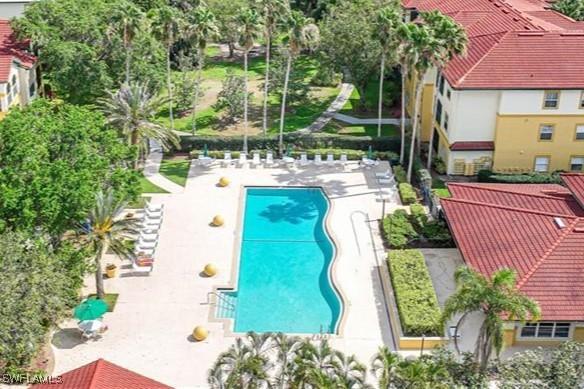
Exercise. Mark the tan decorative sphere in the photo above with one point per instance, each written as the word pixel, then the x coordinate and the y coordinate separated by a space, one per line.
pixel 200 333
pixel 218 221
pixel 210 270
pixel 224 181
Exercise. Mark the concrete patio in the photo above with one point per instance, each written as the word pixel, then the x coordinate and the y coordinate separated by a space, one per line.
pixel 149 331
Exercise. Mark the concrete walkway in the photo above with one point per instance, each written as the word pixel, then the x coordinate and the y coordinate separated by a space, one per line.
pixel 152 170
pixel 336 105
pixel 357 121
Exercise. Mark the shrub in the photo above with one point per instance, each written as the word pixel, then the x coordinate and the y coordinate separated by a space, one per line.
pixel 398 229
pixel 415 296
pixel 439 165
pixel 424 177
pixel 418 215
pixel 526 178
pixel 400 174
pixel 407 193
pixel 437 232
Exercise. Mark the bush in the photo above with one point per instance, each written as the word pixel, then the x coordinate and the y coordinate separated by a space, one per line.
pixel 526 178
pixel 439 165
pixel 400 174
pixel 351 154
pixel 415 296
pixel 424 177
pixel 298 140
pixel 418 215
pixel 398 229
pixel 407 193
pixel 437 232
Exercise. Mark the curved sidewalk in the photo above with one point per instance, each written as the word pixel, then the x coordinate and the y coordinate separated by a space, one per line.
pixel 356 121
pixel 152 170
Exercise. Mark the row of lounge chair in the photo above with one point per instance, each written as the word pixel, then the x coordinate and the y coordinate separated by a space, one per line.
pixel 147 240
pixel 387 185
pixel 256 160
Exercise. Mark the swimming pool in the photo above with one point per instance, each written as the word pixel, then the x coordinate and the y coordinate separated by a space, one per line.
pixel 284 280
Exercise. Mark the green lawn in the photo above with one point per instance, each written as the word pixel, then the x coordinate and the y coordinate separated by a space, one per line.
pixel 440 189
pixel 148 187
pixel 390 91
pixel 176 170
pixel 140 202
pixel 336 127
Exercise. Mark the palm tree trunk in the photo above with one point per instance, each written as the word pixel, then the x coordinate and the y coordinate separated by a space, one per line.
pixel 197 86
pixel 283 107
pixel 266 86
pixel 245 101
pixel 169 86
pixel 231 47
pixel 380 103
pixel 403 114
pixel 99 290
pixel 418 96
pixel 128 53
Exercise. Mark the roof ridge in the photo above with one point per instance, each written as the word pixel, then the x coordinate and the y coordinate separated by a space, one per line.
pixel 546 255
pixel 94 377
pixel 485 55
pixel 472 185
pixel 509 208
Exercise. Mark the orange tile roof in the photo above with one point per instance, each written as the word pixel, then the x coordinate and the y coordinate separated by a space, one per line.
pixel 515 226
pixel 513 44
pixel 102 374
pixel 12 51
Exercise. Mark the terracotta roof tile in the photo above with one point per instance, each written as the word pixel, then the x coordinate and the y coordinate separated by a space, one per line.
pixel 12 51
pixel 575 182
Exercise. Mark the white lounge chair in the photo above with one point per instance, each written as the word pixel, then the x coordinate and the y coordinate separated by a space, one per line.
pixel 146 237
pixel 204 160
pixel 150 224
pixel 154 207
pixel 343 159
pixel 330 159
pixel 385 174
pixel 386 181
pixel 146 245
pixel 146 252
pixel 150 215
pixel 318 159
pixel 143 268
pixel 304 159
pixel 269 158
pixel 227 161
pixel 242 159
pixel 256 159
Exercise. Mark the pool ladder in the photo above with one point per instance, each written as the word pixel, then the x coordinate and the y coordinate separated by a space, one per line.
pixel 229 304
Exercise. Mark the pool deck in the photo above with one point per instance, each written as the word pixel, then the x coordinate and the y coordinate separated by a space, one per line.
pixel 149 331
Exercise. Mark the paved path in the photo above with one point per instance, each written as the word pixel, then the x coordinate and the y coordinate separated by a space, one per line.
pixel 356 121
pixel 152 170
pixel 336 105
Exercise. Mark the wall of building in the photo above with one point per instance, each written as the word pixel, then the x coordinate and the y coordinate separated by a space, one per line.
pixel 530 102
pixel 12 8
pixel 472 115
pixel 426 106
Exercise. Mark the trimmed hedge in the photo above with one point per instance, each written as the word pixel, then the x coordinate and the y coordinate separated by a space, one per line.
pixel 415 230
pixel 526 178
pixel 351 154
pixel 400 174
pixel 414 293
pixel 298 140
pixel 398 229
pixel 418 215
pixel 407 193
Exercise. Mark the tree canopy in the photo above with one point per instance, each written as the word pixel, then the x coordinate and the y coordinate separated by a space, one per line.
pixel 54 157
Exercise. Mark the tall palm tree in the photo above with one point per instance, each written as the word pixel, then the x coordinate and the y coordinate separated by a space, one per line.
pixel 273 12
pixel 167 26
pixel 239 367
pixel 104 230
pixel 287 349
pixel 452 41
pixel 202 28
pixel 387 21
pixel 131 110
pixel 495 297
pixel 384 367
pixel 403 32
pixel 128 19
pixel 349 372
pixel 251 30
pixel 301 33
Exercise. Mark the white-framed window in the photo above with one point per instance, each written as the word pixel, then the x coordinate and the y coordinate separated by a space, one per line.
pixel 545 330
pixel 551 99
pixel 448 93
pixel 580 132
pixel 445 122
pixel 577 163
pixel 542 164
pixel 14 84
pixel 546 132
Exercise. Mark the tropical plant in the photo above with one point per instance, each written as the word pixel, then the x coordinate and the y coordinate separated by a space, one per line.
pixel 497 299
pixel 287 349
pixel 272 12
pixel 298 89
pixel 384 367
pixel 231 98
pixel 202 28
pixel 571 8
pixel 127 19
pixel 227 14
pixel 105 230
pixel 239 367
pixel 251 30
pixel 301 33
pixel 167 26
pixel 385 31
pixel 131 110
pixel 349 372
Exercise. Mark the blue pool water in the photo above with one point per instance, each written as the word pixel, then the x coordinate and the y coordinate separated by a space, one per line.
pixel 286 254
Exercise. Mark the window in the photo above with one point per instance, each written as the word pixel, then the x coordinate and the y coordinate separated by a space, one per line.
pixel 9 93
pixel 576 163
pixel 448 93
pixel 542 164
pixel 581 102
pixel 545 330
pixel 438 115
pixel 580 132
pixel 546 132
pixel 442 84
pixel 445 122
pixel 32 89
pixel 14 84
pixel 551 99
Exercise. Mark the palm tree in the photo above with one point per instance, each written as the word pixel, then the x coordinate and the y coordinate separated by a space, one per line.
pixel 239 367
pixel 131 110
pixel 349 372
pixel 384 365
pixel 202 28
pixel 452 41
pixel 106 230
pixel 403 32
pixel 495 297
pixel 167 26
pixel 128 18
pixel 287 349
pixel 272 11
pixel 250 22
pixel 301 33
pixel 387 22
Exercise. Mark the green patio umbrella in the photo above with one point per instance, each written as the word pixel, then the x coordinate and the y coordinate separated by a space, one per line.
pixel 205 150
pixel 90 309
pixel 370 153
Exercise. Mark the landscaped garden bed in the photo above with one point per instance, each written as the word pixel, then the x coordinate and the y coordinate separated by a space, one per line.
pixel 415 296
pixel 415 230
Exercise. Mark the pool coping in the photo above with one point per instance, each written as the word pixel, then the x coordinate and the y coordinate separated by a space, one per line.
pixel 229 324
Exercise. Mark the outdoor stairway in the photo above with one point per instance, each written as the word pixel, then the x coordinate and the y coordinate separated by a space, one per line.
pixel 226 304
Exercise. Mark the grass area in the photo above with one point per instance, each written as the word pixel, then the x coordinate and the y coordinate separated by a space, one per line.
pixel 176 170
pixel 440 189
pixel 148 187
pixel 336 127
pixel 109 298
pixel 139 203
pixel 390 95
